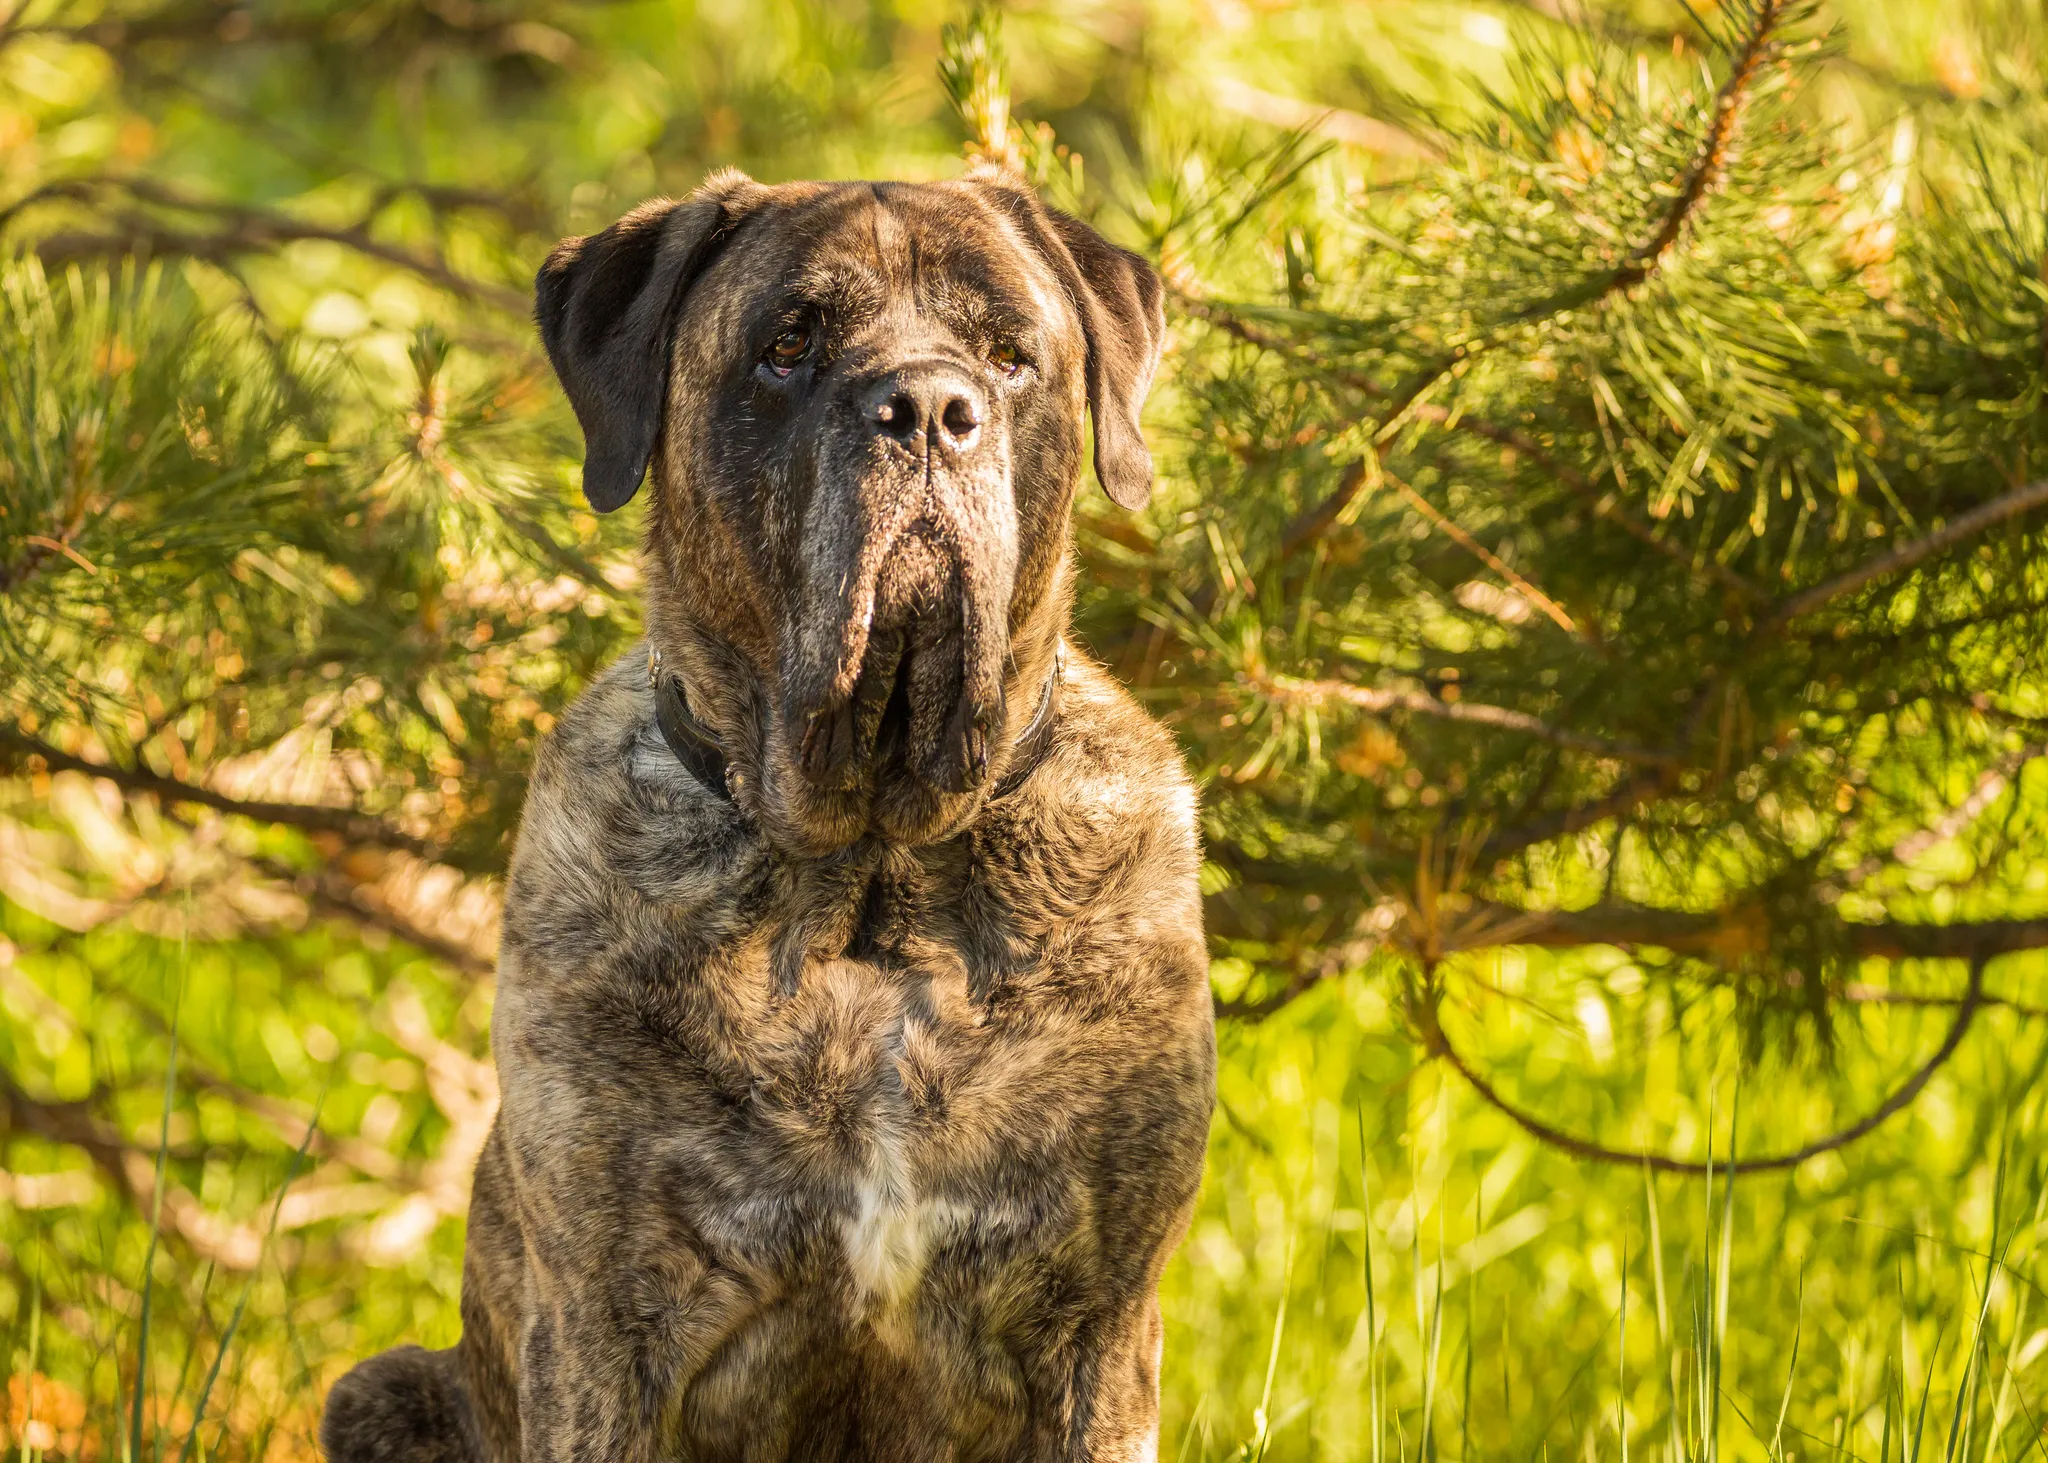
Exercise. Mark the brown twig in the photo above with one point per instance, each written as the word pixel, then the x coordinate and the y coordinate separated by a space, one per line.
pixel 1374 699
pixel 1878 996
pixel 247 230
pixel 1685 932
pixel 57 546
pixel 1439 1045
pixel 1486 556
pixel 1908 556
pixel 1493 926
pixel 353 826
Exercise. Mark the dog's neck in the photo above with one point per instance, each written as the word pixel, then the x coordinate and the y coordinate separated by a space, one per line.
pixel 698 749
pixel 717 713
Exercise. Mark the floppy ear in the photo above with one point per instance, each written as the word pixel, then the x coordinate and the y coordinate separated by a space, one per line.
pixel 607 307
pixel 1123 313
pixel 1119 299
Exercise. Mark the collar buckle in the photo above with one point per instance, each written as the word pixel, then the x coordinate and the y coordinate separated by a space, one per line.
pixel 689 740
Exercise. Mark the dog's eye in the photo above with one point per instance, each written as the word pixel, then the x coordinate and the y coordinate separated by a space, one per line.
pixel 1007 359
pixel 790 348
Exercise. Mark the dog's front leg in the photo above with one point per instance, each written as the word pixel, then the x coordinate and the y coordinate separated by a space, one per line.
pixel 589 1391
pixel 620 1305
pixel 1099 1392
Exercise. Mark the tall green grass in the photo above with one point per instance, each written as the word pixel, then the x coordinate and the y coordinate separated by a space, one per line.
pixel 1381 1268
pixel 1385 1269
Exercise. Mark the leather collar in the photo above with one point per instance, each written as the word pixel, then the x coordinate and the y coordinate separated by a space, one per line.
pixel 1036 739
pixel 688 738
pixel 692 744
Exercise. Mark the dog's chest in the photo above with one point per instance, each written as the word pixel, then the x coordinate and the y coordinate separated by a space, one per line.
pixel 870 1084
pixel 898 1214
pixel 878 1086
pixel 871 1091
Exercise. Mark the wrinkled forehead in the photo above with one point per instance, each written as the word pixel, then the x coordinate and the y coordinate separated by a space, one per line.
pixel 862 251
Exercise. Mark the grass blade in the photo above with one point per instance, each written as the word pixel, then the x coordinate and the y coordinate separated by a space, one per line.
pixel 156 1213
pixel 1791 1371
pixel 1621 1358
pixel 227 1338
pixel 1927 1392
pixel 35 1351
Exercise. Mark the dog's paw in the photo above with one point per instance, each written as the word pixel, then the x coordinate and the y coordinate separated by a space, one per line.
pixel 405 1406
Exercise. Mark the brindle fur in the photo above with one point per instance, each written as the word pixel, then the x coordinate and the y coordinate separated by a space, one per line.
pixel 851 1115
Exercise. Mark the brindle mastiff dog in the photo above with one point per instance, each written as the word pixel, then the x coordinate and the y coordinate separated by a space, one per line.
pixel 852 1017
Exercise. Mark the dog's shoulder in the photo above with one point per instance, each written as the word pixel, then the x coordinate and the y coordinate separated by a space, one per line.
pixel 1105 733
pixel 1106 824
pixel 614 821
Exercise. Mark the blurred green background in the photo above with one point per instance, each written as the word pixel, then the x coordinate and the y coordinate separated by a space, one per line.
pixel 294 571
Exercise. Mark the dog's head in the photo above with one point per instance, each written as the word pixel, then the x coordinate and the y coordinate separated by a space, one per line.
pixel 864 408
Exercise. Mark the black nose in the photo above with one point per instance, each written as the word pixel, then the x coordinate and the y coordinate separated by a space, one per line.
pixel 928 405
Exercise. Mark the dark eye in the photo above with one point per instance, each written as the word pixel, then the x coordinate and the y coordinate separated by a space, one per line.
pixel 789 349
pixel 1006 358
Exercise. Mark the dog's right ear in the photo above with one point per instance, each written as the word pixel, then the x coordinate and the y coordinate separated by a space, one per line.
pixel 607 307
pixel 1120 301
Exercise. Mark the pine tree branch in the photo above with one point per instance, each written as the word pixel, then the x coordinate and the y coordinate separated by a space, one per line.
pixel 1876 996
pixel 1439 1045
pixel 1338 124
pixel 1292 689
pixel 1554 611
pixel 334 892
pixel 127 1166
pixel 1308 527
pixel 1617 27
pixel 245 230
pixel 1490 926
pixel 292 1125
pixel 1907 556
pixel 1708 167
pixel 522 213
pixel 171 23
pixel 1710 163
pixel 1630 796
pixel 64 1122
pixel 1702 176
pixel 353 826
pixel 1717 934
pixel 224 23
pixel 117 1157
pixel 1990 786
pixel 1300 984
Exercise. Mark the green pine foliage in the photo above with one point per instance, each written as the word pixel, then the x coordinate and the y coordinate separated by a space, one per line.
pixel 217 535
pixel 1545 503
pixel 1595 575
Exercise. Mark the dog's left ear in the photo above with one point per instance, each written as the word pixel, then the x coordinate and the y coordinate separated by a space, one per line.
pixel 607 307
pixel 1120 301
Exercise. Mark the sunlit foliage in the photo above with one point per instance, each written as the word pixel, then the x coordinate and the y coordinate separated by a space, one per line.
pixel 1595 576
